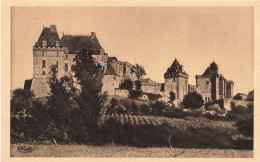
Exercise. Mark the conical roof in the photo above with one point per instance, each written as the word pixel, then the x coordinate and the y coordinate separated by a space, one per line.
pixel 213 66
pixel 175 69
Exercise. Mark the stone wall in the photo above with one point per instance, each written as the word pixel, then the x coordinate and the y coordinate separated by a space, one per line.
pixel 40 87
pixel 121 92
pixel 151 88
pixel 110 83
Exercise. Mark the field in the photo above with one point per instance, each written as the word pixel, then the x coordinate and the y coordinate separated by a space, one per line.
pixel 126 151
pixel 187 122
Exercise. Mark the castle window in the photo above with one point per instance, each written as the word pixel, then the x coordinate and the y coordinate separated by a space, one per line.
pixel 57 63
pixel 114 77
pixel 207 82
pixel 43 72
pixel 66 57
pixel 57 54
pixel 43 63
pixel 66 67
pixel 206 99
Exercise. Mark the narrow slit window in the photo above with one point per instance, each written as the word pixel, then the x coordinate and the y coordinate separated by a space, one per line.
pixel 66 67
pixel 43 63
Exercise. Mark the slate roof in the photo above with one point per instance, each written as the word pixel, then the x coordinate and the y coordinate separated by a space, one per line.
pixel 110 70
pixel 148 81
pixel 51 36
pixel 76 42
pixel 175 69
pixel 211 70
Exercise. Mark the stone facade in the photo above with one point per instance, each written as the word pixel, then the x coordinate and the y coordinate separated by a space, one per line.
pixel 149 86
pixel 176 80
pixel 212 85
pixel 51 50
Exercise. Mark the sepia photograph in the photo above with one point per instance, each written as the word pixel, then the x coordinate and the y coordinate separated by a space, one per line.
pixel 132 82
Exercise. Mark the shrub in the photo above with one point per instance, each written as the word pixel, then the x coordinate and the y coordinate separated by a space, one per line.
pixel 111 107
pixel 138 85
pixel 246 125
pixel 145 109
pixel 158 107
pixel 193 100
pixel 152 96
pixel 237 109
pixel 250 96
pixel 237 97
pixel 135 94
pixel 127 84
pixel 21 100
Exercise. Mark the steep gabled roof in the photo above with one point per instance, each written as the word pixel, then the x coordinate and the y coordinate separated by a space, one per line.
pixel 50 35
pixel 148 81
pixel 76 42
pixel 211 70
pixel 175 69
pixel 110 70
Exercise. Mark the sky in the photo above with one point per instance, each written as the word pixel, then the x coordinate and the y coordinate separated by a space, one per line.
pixel 150 36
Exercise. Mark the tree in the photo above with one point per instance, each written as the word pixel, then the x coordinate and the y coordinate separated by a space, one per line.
pixel 89 75
pixel 127 84
pixel 139 71
pixel 29 117
pixel 193 100
pixel 22 100
pixel 237 97
pixel 250 96
pixel 60 100
pixel 172 96
pixel 158 107
pixel 246 125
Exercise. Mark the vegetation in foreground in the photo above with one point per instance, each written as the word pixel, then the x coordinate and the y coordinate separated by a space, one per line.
pixel 83 116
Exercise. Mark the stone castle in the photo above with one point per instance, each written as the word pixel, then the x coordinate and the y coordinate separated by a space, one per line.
pixel 51 49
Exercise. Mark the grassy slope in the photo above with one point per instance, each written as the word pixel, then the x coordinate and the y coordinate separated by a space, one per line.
pixel 125 151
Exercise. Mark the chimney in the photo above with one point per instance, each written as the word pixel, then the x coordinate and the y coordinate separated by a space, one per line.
pixel 53 28
pixel 93 35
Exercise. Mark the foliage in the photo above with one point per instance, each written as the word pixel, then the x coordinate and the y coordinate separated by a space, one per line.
pixel 59 100
pixel 138 85
pixel 21 100
pixel 237 97
pixel 139 71
pixel 135 94
pixel 29 119
pixel 89 75
pixel 250 96
pixel 158 107
pixel 127 84
pixel 246 125
pixel 237 109
pixel 152 96
pixel 193 100
pixel 155 131
pixel 172 96
pixel 145 109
